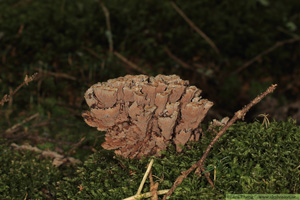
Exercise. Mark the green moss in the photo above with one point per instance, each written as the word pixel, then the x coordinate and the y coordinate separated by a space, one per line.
pixel 24 174
pixel 249 158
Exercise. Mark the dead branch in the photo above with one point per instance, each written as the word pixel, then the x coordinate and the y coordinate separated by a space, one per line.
pixel 145 177
pixel 238 115
pixel 206 174
pixel 129 63
pixel 146 195
pixel 178 60
pixel 121 57
pixel 38 139
pixel 55 74
pixel 107 18
pixel 153 187
pixel 16 126
pixel 27 80
pixel 58 159
pixel 193 26
pixel 269 50
pixel 92 52
pixel 75 146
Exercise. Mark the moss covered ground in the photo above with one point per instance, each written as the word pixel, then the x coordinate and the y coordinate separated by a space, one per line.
pixel 249 158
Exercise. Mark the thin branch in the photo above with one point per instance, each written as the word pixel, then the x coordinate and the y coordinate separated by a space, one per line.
pixel 38 139
pixel 57 75
pixel 193 26
pixel 153 187
pixel 121 57
pixel 129 63
pixel 75 146
pixel 269 50
pixel 27 80
pixel 58 159
pixel 146 195
pixel 145 177
pixel 238 115
pixel 14 127
pixel 92 52
pixel 206 174
pixel 178 60
pixel 109 33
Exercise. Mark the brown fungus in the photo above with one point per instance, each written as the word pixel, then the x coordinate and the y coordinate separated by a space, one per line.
pixel 142 115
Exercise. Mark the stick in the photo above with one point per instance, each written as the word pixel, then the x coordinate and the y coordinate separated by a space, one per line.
pixel 153 187
pixel 92 52
pixel 14 127
pixel 75 146
pixel 145 177
pixel 57 75
pixel 58 159
pixel 238 115
pixel 206 174
pixel 258 57
pixel 146 195
pixel 109 34
pixel 38 139
pixel 130 64
pixel 201 33
pixel 27 80
pixel 178 60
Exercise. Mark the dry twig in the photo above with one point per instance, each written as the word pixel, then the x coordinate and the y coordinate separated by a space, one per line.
pixel 38 139
pixel 129 63
pixel 14 127
pixel 238 115
pixel 92 52
pixel 178 60
pixel 145 177
pixel 58 159
pixel 27 80
pixel 206 174
pixel 193 26
pixel 57 75
pixel 258 57
pixel 153 187
pixel 146 195
pixel 109 33
pixel 75 146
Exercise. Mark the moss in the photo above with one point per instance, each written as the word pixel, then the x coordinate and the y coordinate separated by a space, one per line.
pixel 248 159
pixel 24 174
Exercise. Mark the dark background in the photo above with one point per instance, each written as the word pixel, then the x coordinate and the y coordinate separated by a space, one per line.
pixel 74 44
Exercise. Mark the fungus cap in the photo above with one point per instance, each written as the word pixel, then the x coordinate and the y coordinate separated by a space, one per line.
pixel 142 115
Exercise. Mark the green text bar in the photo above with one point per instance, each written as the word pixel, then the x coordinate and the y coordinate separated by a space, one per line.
pixel 262 196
